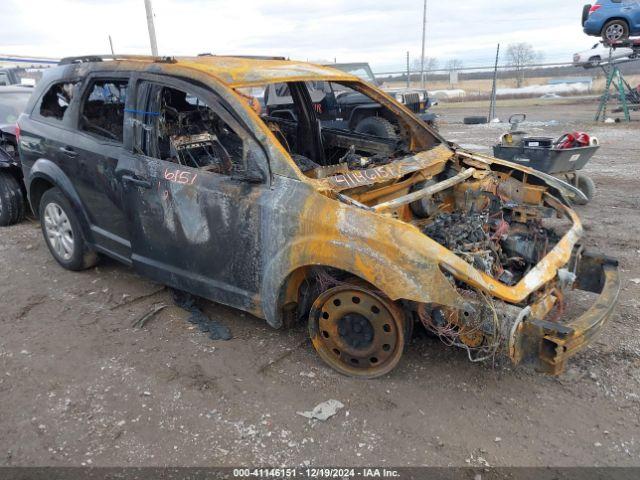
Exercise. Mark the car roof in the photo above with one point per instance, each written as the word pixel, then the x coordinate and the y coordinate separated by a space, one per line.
pixel 232 71
pixel 348 64
pixel 28 90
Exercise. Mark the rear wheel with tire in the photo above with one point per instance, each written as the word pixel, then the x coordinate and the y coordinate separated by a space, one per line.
pixel 378 127
pixel 615 31
pixel 357 332
pixel 62 232
pixel 12 204
pixel 587 186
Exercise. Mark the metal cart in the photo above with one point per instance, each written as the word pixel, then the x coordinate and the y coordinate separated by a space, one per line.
pixel 541 153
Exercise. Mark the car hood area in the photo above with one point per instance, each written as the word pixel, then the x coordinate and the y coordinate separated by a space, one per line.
pixel 493 225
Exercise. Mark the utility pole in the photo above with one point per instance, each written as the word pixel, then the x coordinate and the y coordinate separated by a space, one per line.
pixel 408 72
pixel 111 45
pixel 152 28
pixel 424 36
pixel 494 90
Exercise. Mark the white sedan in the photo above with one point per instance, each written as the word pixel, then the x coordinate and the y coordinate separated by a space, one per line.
pixel 600 54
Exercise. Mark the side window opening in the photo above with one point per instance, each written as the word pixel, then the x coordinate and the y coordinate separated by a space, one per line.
pixel 187 131
pixel 57 99
pixel 103 109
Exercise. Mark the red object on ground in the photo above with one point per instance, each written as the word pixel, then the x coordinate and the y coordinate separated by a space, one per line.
pixel 573 140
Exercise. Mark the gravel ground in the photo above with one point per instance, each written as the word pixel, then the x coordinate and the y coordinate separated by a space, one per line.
pixel 80 386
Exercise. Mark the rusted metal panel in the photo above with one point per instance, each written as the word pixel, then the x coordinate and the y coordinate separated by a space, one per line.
pixel 549 345
pixel 420 161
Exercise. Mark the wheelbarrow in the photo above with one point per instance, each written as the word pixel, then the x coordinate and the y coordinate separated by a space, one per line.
pixel 548 155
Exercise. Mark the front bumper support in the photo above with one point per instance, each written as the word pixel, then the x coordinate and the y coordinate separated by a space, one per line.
pixel 548 344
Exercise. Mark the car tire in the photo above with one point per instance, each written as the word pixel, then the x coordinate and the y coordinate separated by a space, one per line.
pixel 615 31
pixel 62 232
pixel 594 62
pixel 474 120
pixel 12 204
pixel 587 186
pixel 378 127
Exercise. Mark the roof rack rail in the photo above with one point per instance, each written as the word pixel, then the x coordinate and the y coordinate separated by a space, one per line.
pixel 250 57
pixel 102 58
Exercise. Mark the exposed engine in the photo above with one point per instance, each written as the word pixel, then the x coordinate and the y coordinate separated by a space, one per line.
pixel 491 242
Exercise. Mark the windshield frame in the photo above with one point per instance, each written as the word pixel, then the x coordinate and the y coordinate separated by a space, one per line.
pixel 422 136
pixel 351 67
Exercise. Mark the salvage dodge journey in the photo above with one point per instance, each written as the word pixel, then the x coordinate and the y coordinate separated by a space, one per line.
pixel 238 180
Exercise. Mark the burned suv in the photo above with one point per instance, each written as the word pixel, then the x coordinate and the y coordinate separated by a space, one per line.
pixel 175 167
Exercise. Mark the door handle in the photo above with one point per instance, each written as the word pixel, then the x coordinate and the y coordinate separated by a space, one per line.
pixel 137 181
pixel 68 151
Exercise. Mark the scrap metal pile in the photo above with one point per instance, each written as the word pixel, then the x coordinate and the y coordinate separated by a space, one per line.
pixel 491 243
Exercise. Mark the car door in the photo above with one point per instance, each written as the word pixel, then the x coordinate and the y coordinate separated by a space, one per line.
pixel 194 226
pixel 95 150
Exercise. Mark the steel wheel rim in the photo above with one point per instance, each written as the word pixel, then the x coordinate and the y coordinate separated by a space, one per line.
pixel 58 230
pixel 615 32
pixel 357 332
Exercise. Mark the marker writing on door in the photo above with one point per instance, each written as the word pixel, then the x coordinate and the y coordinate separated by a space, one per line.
pixel 180 176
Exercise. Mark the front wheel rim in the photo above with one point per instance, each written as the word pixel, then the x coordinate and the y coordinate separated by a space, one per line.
pixel 357 332
pixel 615 32
pixel 58 230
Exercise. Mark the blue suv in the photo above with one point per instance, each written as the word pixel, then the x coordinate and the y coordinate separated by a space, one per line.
pixel 615 20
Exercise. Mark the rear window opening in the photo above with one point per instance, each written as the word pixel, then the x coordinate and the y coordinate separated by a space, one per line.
pixel 55 102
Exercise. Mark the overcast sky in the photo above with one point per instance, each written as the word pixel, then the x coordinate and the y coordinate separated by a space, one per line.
pixel 377 31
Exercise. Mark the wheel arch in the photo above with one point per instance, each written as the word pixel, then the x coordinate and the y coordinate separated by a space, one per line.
pixel 398 279
pixel 363 111
pixel 45 175
pixel 609 20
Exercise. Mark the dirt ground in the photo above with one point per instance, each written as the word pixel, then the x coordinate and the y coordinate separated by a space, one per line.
pixel 80 386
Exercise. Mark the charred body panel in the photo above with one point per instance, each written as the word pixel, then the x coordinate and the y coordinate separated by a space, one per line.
pixel 202 189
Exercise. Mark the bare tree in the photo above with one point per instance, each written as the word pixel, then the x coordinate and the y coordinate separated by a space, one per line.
pixel 430 64
pixel 520 56
pixel 454 64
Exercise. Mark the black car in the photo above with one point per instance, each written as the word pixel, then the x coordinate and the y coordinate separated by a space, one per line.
pixel 13 100
pixel 415 99
pixel 337 107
